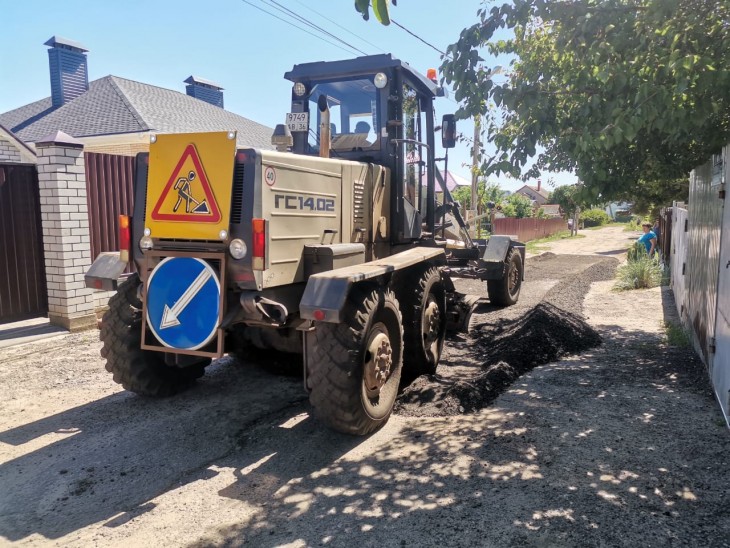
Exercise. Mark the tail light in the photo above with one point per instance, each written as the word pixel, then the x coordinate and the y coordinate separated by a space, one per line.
pixel 125 238
pixel 258 252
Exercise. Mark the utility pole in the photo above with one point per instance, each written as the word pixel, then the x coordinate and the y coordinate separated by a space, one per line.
pixel 475 165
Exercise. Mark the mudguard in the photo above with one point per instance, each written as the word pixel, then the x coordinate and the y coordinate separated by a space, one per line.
pixel 105 272
pixel 326 293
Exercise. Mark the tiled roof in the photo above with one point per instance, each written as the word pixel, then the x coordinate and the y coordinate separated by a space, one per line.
pixel 116 105
pixel 542 192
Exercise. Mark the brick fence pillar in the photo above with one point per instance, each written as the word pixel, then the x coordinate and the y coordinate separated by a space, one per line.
pixel 65 220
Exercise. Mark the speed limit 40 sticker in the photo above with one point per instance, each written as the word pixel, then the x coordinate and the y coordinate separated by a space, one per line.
pixel 270 176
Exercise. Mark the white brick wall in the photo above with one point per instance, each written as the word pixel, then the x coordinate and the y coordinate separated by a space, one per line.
pixel 8 151
pixel 66 239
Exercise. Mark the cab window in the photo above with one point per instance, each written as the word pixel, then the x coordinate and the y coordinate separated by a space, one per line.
pixel 413 158
pixel 354 117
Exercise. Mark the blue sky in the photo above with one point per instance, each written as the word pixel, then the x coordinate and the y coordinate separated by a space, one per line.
pixel 162 42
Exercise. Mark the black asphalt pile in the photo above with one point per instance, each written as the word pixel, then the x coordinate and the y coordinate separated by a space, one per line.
pixel 506 344
pixel 545 334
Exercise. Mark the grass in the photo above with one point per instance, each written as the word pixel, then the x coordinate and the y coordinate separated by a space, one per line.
pixel 633 226
pixel 533 246
pixel 640 272
pixel 676 335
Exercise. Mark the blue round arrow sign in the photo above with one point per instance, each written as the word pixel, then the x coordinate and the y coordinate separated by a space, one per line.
pixel 183 302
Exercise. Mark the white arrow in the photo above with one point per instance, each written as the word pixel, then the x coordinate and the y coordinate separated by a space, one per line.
pixel 169 315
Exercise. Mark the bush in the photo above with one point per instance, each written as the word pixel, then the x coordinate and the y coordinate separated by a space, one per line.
pixel 634 225
pixel 641 271
pixel 623 218
pixel 594 217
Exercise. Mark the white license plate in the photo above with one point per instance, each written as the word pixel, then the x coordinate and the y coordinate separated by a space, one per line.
pixel 298 121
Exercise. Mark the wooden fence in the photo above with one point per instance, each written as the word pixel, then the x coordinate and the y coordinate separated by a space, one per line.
pixel 529 229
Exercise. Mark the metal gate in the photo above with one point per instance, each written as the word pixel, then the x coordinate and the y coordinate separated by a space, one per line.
pixel 22 270
pixel 109 192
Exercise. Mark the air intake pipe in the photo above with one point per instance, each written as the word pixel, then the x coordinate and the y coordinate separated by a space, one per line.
pixel 325 137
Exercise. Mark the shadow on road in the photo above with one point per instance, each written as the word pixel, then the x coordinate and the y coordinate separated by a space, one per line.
pixel 578 460
pixel 111 456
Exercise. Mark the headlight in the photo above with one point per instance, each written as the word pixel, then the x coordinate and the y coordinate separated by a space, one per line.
pixel 145 243
pixel 380 80
pixel 300 89
pixel 237 248
pixel 223 235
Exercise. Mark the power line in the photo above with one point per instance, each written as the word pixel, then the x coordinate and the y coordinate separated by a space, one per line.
pixel 397 24
pixel 295 26
pixel 340 26
pixel 276 5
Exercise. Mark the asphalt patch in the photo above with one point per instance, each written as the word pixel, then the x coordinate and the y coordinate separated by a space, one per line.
pixel 511 342
pixel 509 349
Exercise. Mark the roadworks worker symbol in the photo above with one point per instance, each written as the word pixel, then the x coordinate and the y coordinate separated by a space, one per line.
pixel 187 196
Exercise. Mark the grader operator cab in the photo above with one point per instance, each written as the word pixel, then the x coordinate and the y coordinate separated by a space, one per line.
pixel 336 249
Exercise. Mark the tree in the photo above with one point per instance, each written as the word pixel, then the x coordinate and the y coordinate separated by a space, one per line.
pixel 657 194
pixel 517 205
pixel 626 93
pixel 566 197
pixel 486 192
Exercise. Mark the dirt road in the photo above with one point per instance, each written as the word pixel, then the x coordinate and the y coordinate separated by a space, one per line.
pixel 620 445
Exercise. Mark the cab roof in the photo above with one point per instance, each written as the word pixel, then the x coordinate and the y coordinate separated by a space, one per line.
pixel 370 64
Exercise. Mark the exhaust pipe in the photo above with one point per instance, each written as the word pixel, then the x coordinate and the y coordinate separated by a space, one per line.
pixel 260 308
pixel 325 136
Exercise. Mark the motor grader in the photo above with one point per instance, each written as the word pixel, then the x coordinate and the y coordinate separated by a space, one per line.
pixel 341 246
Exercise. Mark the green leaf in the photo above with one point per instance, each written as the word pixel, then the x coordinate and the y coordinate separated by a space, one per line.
pixel 380 9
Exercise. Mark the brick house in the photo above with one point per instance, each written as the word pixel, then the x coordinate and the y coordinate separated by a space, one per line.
pixel 13 149
pixel 44 198
pixel 116 115
pixel 535 193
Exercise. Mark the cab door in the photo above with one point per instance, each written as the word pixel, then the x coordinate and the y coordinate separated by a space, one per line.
pixel 413 155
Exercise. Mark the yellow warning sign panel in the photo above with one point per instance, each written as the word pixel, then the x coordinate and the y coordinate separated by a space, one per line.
pixel 189 185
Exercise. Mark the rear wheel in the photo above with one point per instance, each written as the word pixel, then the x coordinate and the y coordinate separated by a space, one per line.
pixel 140 371
pixel 506 292
pixel 354 367
pixel 424 315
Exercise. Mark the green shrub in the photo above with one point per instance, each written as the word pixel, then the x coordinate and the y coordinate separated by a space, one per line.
pixel 640 272
pixel 676 335
pixel 634 225
pixel 627 218
pixel 594 217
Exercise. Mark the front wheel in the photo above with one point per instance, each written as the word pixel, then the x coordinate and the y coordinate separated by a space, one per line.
pixel 354 367
pixel 141 371
pixel 506 291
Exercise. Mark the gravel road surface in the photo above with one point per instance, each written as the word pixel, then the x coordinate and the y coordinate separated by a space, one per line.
pixel 621 444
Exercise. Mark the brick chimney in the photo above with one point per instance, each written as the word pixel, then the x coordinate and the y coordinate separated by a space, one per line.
pixel 68 70
pixel 205 90
pixel 539 183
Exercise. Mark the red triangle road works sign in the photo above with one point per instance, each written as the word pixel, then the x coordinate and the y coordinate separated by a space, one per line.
pixel 187 196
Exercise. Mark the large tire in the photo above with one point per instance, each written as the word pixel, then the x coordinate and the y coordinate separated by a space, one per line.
pixel 354 367
pixel 141 371
pixel 424 318
pixel 506 291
